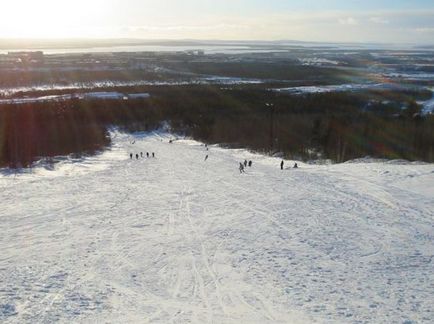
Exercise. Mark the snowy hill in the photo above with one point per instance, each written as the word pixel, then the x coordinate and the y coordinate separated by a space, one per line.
pixel 177 239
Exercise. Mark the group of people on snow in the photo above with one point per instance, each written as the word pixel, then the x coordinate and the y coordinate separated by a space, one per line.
pixel 148 155
pixel 244 165
pixel 282 164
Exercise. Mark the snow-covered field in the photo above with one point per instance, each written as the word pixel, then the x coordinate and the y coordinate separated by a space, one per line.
pixel 95 85
pixel 107 95
pixel 340 88
pixel 177 239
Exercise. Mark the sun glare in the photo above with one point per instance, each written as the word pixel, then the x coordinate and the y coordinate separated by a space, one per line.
pixel 50 18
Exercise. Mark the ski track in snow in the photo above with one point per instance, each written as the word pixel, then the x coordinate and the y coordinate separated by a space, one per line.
pixel 176 239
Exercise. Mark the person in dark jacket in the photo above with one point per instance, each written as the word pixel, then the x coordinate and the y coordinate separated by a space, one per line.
pixel 131 156
pixel 242 168
pixel 153 154
pixel 250 164
pixel 206 157
pixel 295 166
pixel 245 163
pixel 137 156
pixel 282 164
pixel 141 154
pixel 147 154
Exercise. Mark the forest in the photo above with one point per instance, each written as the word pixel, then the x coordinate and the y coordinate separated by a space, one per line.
pixel 336 126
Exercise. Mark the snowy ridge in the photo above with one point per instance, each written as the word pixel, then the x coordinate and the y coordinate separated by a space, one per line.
pixel 177 239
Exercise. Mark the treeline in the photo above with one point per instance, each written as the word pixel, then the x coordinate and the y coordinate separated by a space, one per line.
pixel 287 70
pixel 30 132
pixel 176 68
pixel 337 126
pixel 31 78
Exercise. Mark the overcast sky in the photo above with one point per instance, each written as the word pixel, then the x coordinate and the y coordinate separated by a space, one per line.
pixel 397 21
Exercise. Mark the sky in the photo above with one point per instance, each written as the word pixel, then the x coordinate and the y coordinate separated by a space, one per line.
pixel 397 21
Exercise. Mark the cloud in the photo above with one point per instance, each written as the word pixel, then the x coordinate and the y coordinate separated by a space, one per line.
pixel 348 21
pixel 380 26
pixel 425 30
pixel 379 20
pixel 398 26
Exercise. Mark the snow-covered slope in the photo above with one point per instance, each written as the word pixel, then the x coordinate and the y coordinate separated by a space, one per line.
pixel 176 239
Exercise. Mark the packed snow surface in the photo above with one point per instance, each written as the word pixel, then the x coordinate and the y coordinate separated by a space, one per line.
pixel 177 239
pixel 339 88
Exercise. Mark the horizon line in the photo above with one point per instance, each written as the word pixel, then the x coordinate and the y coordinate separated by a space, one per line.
pixel 198 40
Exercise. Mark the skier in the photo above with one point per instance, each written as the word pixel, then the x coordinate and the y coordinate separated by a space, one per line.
pixel 250 164
pixel 147 154
pixel 137 156
pixel 206 157
pixel 153 154
pixel 241 168
pixel 141 154
pixel 245 163
pixel 282 164
pixel 295 166
pixel 131 156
